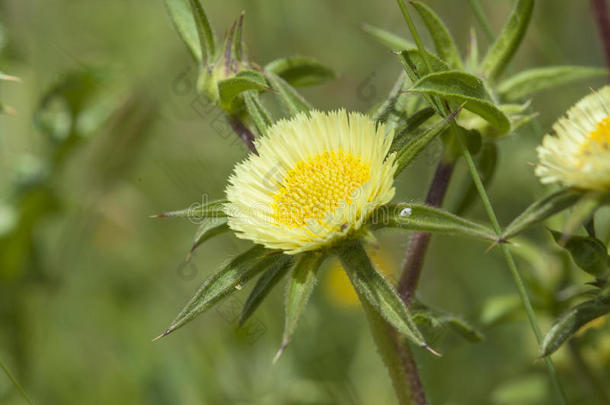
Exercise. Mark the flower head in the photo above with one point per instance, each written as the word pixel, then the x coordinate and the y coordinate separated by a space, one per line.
pixel 316 180
pixel 579 155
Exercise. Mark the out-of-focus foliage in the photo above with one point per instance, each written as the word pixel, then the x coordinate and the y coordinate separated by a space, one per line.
pixel 110 128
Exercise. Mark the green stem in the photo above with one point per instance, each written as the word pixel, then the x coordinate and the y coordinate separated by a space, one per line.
pixel 511 264
pixel 15 383
pixel 397 356
pixel 478 12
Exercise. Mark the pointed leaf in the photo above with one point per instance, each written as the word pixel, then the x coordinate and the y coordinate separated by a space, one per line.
pixel 245 80
pixel 209 228
pixel 590 254
pixel 410 151
pixel 392 41
pixel 301 71
pixel 440 320
pixel 259 114
pixel 572 321
pixel 525 84
pixel 239 46
pixel 406 132
pixel 375 290
pixel 265 284
pixel 199 211
pixel 443 41
pixel 205 34
pixel 461 87
pixel 419 217
pixel 415 66
pixel 182 18
pixel 541 210
pixel 507 43
pixel 223 283
pixel 290 98
pixel 298 291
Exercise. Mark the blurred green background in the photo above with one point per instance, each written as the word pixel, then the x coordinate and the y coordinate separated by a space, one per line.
pixel 87 279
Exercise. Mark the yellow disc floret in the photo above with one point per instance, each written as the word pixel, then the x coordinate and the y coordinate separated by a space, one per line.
pixel 578 154
pixel 317 186
pixel 598 139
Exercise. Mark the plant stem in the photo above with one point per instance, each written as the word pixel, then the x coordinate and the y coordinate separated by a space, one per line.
pixel 510 262
pixel 478 12
pixel 15 383
pixel 587 373
pixel 600 9
pixel 418 245
pixel 398 358
pixel 243 132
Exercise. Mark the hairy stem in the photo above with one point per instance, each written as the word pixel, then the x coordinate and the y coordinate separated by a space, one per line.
pixel 243 132
pixel 418 245
pixel 529 309
pixel 588 374
pixel 399 360
pixel 600 9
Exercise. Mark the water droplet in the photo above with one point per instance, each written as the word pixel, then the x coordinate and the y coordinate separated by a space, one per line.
pixel 406 212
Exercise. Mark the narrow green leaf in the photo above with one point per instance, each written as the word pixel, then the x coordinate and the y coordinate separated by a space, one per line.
pixel 182 18
pixel 416 67
pixel 590 254
pixel 487 162
pixel 406 154
pixel 290 98
pixel 239 47
pixel 209 228
pixel 301 71
pixel 529 82
pixel 419 217
pixel 572 321
pixel 443 41
pixel 265 284
pixel 298 291
pixel 245 80
pixel 405 132
pixel 392 41
pixel 461 87
pixel 440 321
pixel 541 210
pixel 374 289
pixel 205 34
pixel 259 114
pixel 198 211
pixel 413 62
pixel 472 58
pixel 507 43
pixel 223 283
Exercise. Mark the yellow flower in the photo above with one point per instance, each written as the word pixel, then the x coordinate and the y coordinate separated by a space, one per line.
pixel 316 180
pixel 579 155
